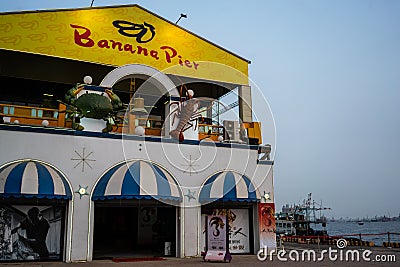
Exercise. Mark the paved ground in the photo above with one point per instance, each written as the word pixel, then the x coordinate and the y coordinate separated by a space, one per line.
pixel 245 260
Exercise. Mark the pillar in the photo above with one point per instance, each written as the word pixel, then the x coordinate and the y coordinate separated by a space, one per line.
pixel 190 233
pixel 245 104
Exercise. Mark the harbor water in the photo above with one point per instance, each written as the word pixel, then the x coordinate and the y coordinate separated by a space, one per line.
pixel 370 231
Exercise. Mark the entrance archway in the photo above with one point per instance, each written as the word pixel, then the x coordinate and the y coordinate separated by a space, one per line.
pixel 136 209
pixel 157 78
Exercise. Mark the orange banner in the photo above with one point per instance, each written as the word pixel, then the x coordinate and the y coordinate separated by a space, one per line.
pixel 267 226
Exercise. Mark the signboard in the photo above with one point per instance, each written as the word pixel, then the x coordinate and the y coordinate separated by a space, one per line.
pixel 31 232
pixel 239 229
pixel 217 238
pixel 217 233
pixel 118 36
pixel 267 226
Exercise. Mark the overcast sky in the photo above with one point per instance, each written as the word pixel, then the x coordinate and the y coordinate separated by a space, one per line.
pixel 330 71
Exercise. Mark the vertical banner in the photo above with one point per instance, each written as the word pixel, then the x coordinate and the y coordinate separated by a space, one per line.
pixel 239 234
pixel 267 227
pixel 31 232
pixel 216 233
pixel 217 239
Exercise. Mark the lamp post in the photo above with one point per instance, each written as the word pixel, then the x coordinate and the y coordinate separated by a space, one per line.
pixel 182 16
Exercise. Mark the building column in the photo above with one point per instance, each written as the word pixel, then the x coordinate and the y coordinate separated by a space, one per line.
pixel 245 104
pixel 190 233
pixel 78 232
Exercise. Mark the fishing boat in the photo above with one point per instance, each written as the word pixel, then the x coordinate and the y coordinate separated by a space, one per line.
pixel 301 219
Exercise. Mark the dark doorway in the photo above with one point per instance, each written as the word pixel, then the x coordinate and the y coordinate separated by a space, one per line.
pixel 134 231
pixel 115 229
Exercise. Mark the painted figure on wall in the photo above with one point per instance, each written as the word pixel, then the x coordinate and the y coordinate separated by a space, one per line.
pixel 36 227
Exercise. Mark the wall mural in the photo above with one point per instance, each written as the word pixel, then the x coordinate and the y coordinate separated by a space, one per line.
pixel 31 232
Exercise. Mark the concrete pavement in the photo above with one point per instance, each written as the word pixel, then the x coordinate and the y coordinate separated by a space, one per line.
pixel 247 260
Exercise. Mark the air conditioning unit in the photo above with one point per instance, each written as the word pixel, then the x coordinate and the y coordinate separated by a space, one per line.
pixel 232 130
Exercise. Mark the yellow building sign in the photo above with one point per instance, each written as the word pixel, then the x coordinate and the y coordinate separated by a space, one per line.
pixel 118 36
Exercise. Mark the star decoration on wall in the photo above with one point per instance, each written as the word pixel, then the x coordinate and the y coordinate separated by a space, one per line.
pixel 190 166
pixel 266 196
pixel 83 159
pixel 82 191
pixel 190 195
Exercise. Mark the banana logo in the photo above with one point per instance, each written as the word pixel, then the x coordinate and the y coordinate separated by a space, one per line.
pixel 64 40
pixel 48 16
pixel 191 44
pixel 197 54
pixel 99 18
pixel 40 37
pixel 46 49
pixel 6 27
pixel 107 29
pixel 29 25
pixel 73 52
pixel 120 11
pixel 57 27
pixel 222 56
pixel 11 39
pixel 109 59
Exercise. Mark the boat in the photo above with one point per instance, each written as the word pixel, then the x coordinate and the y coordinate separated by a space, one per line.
pixel 296 220
pixel 360 223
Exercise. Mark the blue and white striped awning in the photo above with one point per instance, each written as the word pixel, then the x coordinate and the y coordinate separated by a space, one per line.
pixel 228 186
pixel 33 179
pixel 137 180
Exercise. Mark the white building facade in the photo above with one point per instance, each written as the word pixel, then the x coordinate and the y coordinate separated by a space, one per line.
pixel 125 192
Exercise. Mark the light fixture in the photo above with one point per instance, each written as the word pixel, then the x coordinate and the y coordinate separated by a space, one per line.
pixel 182 16
pixel 140 130
pixel 266 196
pixel 138 106
pixel 87 79
pixel 82 191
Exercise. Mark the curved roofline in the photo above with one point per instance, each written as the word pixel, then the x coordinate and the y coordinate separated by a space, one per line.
pixel 118 6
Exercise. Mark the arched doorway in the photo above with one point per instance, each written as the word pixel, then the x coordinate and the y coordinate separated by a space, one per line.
pixel 154 88
pixel 34 198
pixel 135 211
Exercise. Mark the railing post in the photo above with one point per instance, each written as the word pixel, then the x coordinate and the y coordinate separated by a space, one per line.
pixel 61 115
